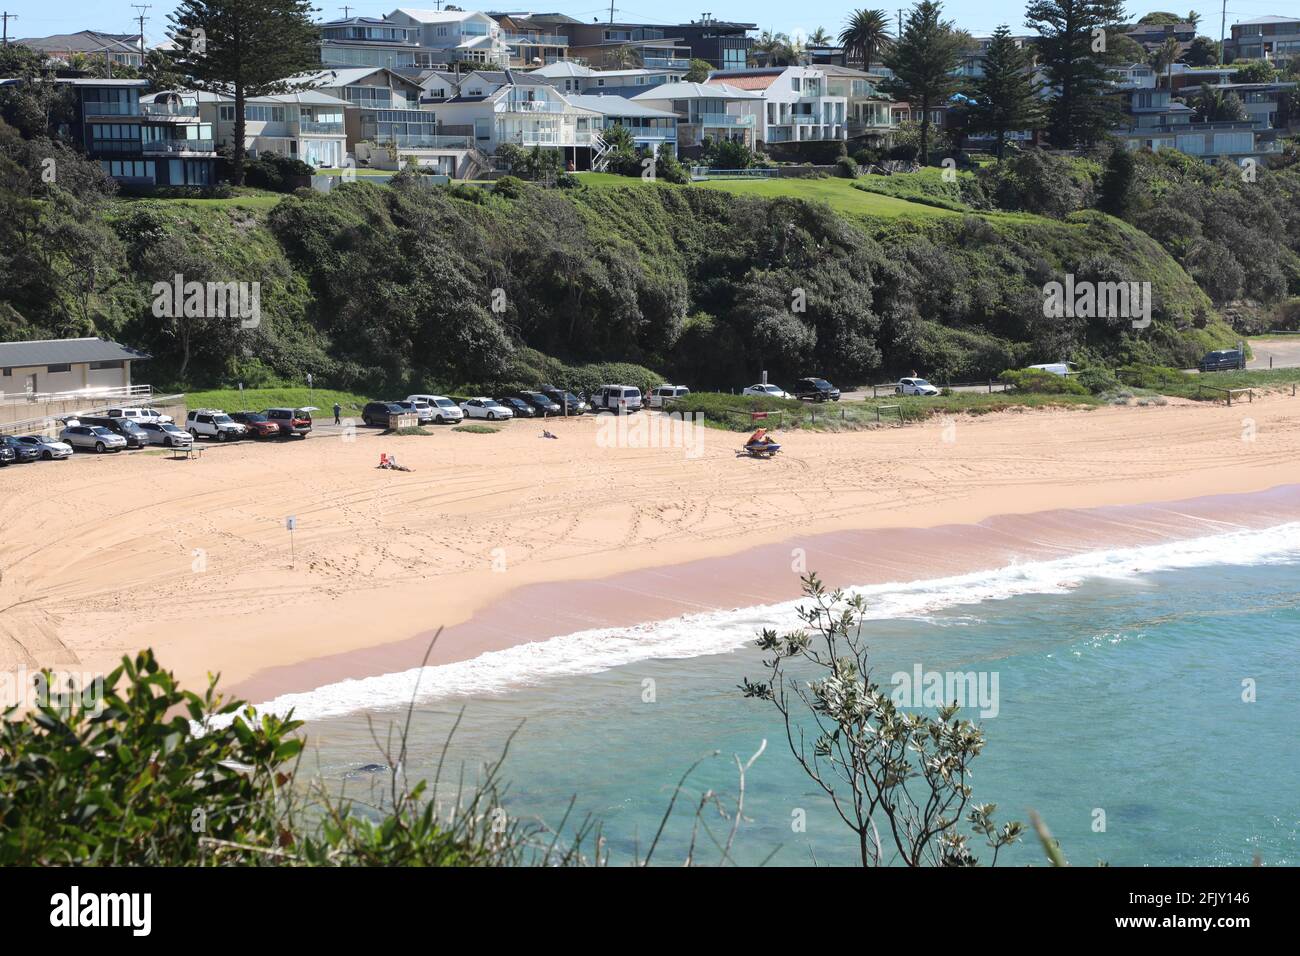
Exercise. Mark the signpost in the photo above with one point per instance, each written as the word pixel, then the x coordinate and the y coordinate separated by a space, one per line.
pixel 291 522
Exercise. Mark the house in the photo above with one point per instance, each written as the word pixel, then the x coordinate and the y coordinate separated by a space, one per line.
pixel 652 129
pixel 124 49
pixel 707 111
pixel 869 115
pixel 139 142
pixel 1158 123
pixel 455 36
pixel 797 103
pixel 626 45
pixel 308 125
pixel 370 41
pixel 569 77
pixel 1152 36
pixel 1271 38
pixel 1262 101
pixel 532 43
pixel 29 370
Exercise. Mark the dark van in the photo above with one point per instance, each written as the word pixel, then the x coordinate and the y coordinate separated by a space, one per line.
pixel 1224 360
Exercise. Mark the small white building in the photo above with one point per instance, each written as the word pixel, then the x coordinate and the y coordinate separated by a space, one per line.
pixel 713 111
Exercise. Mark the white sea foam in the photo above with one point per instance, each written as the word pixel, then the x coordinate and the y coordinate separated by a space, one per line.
pixel 718 632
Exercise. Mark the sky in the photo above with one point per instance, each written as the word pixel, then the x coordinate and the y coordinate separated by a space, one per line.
pixel 44 17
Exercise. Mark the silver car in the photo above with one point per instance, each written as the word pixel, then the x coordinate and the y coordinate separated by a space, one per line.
pixel 94 437
pixel 49 448
pixel 164 433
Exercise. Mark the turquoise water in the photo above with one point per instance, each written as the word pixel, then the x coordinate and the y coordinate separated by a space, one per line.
pixel 1121 694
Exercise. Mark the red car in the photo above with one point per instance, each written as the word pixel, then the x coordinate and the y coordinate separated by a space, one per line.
pixel 256 424
pixel 292 421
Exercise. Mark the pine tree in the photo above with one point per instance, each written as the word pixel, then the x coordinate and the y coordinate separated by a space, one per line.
pixel 923 59
pixel 1006 96
pixel 243 48
pixel 1072 50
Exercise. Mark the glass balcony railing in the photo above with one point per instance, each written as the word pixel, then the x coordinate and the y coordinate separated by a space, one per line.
pixel 96 108
pixel 666 63
pixel 165 110
pixel 432 141
pixel 103 146
pixel 179 146
pixel 536 39
pixel 312 126
pixel 723 119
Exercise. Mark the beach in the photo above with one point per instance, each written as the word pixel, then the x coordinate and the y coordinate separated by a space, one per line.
pixel 509 538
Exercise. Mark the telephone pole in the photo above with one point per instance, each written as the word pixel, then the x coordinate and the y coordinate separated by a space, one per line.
pixel 142 7
pixel 7 17
pixel 1223 21
pixel 345 11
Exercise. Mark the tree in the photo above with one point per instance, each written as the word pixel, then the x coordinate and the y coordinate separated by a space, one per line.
pixel 1115 191
pixel 819 37
pixel 699 71
pixel 897 778
pixel 923 60
pixel 866 35
pixel 623 57
pixel 243 48
pixel 1006 97
pixel 1254 71
pixel 1216 106
pixel 1072 35
pixel 1164 57
pixel 1160 19
pixel 1202 52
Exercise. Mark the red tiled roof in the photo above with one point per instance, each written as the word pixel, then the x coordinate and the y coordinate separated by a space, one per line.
pixel 744 82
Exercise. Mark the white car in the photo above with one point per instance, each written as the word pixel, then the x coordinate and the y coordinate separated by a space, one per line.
pixel 213 423
pixel 49 448
pixel 444 409
pixel 424 412
pixel 92 436
pixel 771 391
pixel 166 434
pixel 661 395
pixel 483 407
pixel 139 415
pixel 1056 368
pixel 914 386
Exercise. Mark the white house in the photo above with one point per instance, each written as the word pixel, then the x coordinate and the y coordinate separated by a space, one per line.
pixel 308 125
pixel 797 104
pixel 450 36
pixel 570 77
pixel 707 111
pixel 31 369
pixel 652 129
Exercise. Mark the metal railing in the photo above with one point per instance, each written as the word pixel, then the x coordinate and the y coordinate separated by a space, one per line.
pixel 312 126
pixel 416 141
pixel 536 39
pixel 169 109
pixel 723 119
pixel 138 392
pixel 758 172
pixel 96 108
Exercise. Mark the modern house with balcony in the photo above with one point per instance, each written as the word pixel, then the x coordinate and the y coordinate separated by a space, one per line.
pixel 651 129
pixel 455 36
pixel 138 142
pixel 711 111
pixel 869 116
pixel 123 49
pixel 370 41
pixel 308 125
pixel 1276 39
pixel 628 45
pixel 1159 123
pixel 1262 101
pixel 531 44
pixel 797 104
pixel 569 77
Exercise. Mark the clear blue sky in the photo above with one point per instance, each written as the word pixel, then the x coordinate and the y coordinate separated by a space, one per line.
pixel 43 17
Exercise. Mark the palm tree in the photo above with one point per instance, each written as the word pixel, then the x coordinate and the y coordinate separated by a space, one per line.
pixel 819 37
pixel 1165 56
pixel 867 35
pixel 1194 19
pixel 776 49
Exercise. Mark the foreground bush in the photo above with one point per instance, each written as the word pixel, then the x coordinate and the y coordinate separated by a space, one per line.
pixel 1041 382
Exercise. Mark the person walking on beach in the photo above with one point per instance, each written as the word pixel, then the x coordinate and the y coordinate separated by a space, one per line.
pixel 337 408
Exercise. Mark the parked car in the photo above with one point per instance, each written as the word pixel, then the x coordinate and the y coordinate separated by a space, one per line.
pixel 1224 360
pixel 662 395
pixel 771 391
pixel 169 436
pixel 484 407
pixel 444 409
pixel 569 403
pixel 49 449
pixel 95 437
pixel 22 453
pixel 817 389
pixel 616 398
pixel 256 424
pixel 914 386
pixel 140 414
pixel 292 421
pixel 128 428
pixel 541 404
pixel 376 414
pixel 423 411
pixel 518 406
pixel 212 423
pixel 7 455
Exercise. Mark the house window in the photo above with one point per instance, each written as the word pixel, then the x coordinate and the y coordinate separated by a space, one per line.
pixel 51 369
pixel 100 366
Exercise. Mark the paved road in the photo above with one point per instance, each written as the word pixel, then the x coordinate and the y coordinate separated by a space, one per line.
pixel 1284 350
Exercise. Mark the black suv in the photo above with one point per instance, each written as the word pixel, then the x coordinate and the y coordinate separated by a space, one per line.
pixel 376 414
pixel 135 435
pixel 21 452
pixel 1225 360
pixel 572 404
pixel 7 455
pixel 544 405
pixel 818 389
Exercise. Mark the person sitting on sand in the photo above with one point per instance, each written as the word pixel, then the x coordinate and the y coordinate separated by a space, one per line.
pixel 547 434
pixel 759 438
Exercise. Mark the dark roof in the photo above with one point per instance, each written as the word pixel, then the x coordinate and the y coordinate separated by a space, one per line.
pixel 64 352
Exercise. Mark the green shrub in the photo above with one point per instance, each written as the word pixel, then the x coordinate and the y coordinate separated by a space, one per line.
pixel 1152 376
pixel 1041 382
pixel 509 187
pixel 475 429
pixel 847 167
pixel 1098 380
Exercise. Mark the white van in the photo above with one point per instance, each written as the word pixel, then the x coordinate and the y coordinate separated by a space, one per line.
pixel 616 398
pixel 444 409
pixel 139 415
pixel 1056 368
pixel 662 395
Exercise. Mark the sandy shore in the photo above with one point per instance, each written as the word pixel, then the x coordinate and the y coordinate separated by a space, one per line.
pixel 105 556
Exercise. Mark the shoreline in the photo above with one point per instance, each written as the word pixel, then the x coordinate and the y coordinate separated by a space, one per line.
pixel 770 574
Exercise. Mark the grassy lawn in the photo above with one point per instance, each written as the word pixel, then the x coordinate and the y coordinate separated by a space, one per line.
pixel 256 399
pixel 260 201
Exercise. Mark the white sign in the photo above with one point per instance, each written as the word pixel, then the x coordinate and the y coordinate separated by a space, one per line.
pixel 291 522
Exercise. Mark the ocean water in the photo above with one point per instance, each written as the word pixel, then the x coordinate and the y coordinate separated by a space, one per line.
pixel 1147 707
